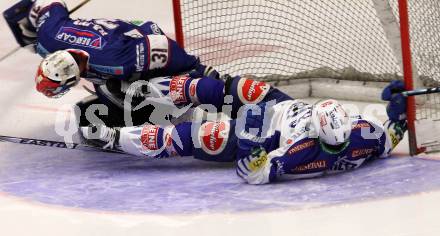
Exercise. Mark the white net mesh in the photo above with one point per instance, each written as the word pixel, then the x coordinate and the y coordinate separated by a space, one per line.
pixel 285 37
pixel 341 39
pixel 425 42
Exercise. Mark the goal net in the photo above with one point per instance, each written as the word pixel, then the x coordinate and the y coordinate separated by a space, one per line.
pixel 337 40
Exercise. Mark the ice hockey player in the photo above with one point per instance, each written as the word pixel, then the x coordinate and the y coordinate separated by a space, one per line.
pixel 113 53
pixel 272 139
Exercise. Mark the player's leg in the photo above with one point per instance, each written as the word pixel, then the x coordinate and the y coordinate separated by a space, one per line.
pixel 209 141
pixel 230 91
pixel 92 109
pixel 112 96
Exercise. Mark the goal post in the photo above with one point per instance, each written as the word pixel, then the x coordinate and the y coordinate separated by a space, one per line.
pixel 178 28
pixel 408 75
pixel 367 43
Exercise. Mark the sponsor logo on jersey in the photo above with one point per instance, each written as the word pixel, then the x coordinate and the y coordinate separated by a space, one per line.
pixel 110 70
pixel 252 91
pixel 140 57
pixel 177 89
pixel 79 37
pixel 213 137
pixel 301 146
pixel 362 152
pixel 99 25
pixel 149 137
pixel 280 170
pixel 316 165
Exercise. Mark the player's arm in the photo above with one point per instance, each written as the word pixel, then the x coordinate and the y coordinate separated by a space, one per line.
pixel 296 160
pixel 234 91
pixel 27 17
pixel 258 146
pixel 396 126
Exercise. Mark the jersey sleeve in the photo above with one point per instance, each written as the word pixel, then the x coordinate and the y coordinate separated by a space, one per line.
pixel 51 16
pixel 297 161
pixel 48 23
pixel 394 133
pixel 388 135
pixel 300 160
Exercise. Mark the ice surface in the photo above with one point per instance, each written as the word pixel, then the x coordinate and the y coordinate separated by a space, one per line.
pixel 65 192
pixel 119 183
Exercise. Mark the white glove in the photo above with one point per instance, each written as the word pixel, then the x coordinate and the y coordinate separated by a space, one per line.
pixel 38 6
pixel 255 168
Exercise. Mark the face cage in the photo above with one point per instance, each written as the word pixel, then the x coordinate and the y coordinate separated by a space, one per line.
pixel 60 94
pixel 65 88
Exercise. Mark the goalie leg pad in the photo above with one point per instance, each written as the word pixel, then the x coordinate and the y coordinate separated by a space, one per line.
pixel 15 16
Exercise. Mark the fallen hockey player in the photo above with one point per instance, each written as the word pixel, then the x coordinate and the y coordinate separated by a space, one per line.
pixel 109 53
pixel 275 137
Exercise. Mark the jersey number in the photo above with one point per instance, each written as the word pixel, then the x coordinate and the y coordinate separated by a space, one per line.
pixel 159 55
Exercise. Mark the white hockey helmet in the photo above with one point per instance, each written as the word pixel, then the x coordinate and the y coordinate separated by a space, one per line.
pixel 57 73
pixel 331 122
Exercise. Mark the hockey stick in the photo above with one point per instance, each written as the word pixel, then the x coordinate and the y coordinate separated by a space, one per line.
pixel 13 51
pixel 84 2
pixel 10 53
pixel 421 91
pixel 56 144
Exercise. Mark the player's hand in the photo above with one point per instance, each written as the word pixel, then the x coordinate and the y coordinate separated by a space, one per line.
pixel 28 32
pixel 204 71
pixel 396 108
pixel 252 168
pixel 211 72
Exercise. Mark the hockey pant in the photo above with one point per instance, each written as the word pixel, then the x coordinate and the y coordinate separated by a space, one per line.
pixel 209 140
pixel 219 141
pixel 222 96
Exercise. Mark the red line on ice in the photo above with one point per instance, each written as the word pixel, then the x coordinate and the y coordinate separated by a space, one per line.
pixel 41 108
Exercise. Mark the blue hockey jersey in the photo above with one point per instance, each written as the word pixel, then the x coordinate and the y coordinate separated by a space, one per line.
pixel 117 49
pixel 294 151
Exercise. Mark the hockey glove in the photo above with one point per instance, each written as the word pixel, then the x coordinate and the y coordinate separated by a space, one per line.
pixel 396 108
pixel 253 167
pixel 18 21
pixel 204 71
